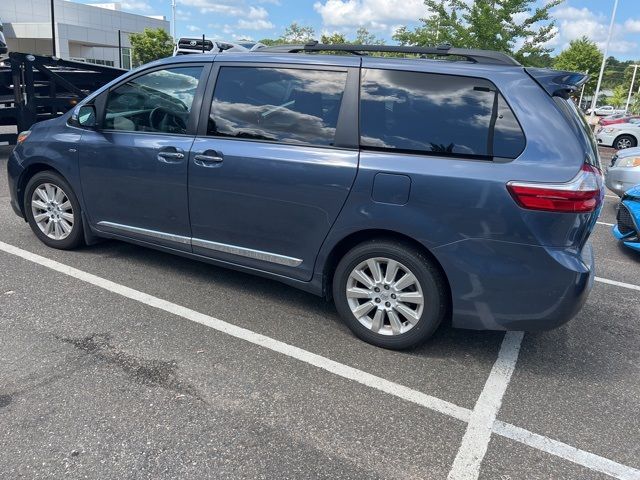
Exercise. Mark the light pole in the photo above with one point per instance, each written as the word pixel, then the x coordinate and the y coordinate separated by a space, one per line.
pixel 633 79
pixel 604 60
pixel 173 19
pixel 53 31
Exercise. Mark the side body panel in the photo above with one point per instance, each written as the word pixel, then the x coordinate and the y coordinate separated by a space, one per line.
pixel 507 267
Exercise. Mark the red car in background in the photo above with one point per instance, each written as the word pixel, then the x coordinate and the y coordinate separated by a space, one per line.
pixel 617 118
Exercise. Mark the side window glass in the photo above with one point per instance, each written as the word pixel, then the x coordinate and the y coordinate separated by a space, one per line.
pixel 443 114
pixel 284 105
pixel 159 101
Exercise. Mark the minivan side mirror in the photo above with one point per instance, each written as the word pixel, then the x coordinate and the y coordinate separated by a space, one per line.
pixel 86 116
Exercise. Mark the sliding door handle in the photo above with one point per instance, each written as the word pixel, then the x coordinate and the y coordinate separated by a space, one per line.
pixel 207 160
pixel 170 156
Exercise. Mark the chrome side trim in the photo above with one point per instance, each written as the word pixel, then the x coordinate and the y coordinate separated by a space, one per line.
pixel 148 233
pixel 215 246
pixel 247 252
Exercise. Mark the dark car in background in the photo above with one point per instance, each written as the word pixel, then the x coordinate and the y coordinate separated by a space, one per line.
pixel 408 190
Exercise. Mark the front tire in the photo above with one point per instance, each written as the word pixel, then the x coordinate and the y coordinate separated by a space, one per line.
pixel 53 211
pixel 389 294
pixel 624 141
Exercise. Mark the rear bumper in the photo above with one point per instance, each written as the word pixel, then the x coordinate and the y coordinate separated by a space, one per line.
pixel 507 286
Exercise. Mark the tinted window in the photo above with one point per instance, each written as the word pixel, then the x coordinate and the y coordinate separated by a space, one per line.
pixel 159 101
pixel 277 104
pixel 436 113
pixel 582 128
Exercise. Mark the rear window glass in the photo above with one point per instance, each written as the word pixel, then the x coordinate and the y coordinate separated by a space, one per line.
pixel 582 128
pixel 442 114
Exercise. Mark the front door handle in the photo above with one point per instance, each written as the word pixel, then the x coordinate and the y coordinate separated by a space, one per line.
pixel 170 155
pixel 207 159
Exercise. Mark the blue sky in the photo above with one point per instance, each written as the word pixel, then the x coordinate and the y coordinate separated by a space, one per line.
pixel 255 19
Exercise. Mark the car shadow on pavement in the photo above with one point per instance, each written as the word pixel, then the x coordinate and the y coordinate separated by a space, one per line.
pixel 447 342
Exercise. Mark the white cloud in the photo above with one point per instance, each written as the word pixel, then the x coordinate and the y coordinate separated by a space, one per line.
pixel 136 5
pixel 374 14
pixel 257 13
pixel 253 18
pixel 256 19
pixel 572 13
pixel 183 14
pixel 193 28
pixel 254 24
pixel 214 6
pixel 632 26
pixel 574 23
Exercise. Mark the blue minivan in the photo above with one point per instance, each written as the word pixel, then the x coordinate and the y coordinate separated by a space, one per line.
pixel 408 190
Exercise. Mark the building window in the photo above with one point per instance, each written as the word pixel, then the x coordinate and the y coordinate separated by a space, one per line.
pixel 126 58
pixel 97 61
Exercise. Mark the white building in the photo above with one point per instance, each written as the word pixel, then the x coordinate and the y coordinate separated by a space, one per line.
pixel 82 32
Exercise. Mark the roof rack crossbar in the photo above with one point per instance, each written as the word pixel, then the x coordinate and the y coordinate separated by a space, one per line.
pixel 473 55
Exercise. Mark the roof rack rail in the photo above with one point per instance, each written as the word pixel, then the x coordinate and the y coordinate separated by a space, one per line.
pixel 473 55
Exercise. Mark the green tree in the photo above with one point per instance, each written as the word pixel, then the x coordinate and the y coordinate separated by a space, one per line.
pixel 582 55
pixel 363 37
pixel 295 33
pixel 487 24
pixel 270 41
pixel 152 44
pixel 619 97
pixel 333 38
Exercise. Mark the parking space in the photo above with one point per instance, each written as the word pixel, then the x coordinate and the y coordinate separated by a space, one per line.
pixel 139 370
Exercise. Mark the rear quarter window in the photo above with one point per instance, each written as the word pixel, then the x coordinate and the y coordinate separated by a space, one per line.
pixel 439 114
pixel 583 130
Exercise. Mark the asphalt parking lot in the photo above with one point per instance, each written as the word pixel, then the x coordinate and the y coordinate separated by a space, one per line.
pixel 124 362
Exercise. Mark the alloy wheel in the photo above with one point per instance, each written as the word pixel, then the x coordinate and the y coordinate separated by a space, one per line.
pixel 623 143
pixel 52 211
pixel 385 296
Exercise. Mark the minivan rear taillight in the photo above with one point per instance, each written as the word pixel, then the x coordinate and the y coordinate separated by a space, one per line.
pixel 582 194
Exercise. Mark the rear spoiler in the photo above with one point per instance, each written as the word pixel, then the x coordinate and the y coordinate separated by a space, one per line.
pixel 558 83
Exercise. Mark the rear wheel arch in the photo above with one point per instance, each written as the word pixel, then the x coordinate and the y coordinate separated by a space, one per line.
pixel 352 240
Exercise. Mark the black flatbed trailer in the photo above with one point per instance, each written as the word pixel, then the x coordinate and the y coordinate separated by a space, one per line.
pixel 35 88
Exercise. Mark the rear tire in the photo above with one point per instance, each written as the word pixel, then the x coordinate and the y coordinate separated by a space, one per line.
pixel 625 141
pixel 390 294
pixel 53 211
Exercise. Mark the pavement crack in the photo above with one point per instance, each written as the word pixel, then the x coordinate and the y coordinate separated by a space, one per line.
pixel 151 372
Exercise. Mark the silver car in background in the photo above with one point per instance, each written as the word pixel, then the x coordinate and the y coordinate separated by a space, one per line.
pixel 624 171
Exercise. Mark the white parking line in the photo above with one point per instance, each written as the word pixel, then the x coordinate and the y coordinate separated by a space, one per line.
pixel 475 442
pixel 612 196
pixel 518 434
pixel 605 223
pixel 305 356
pixel 630 286
pixel 562 450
